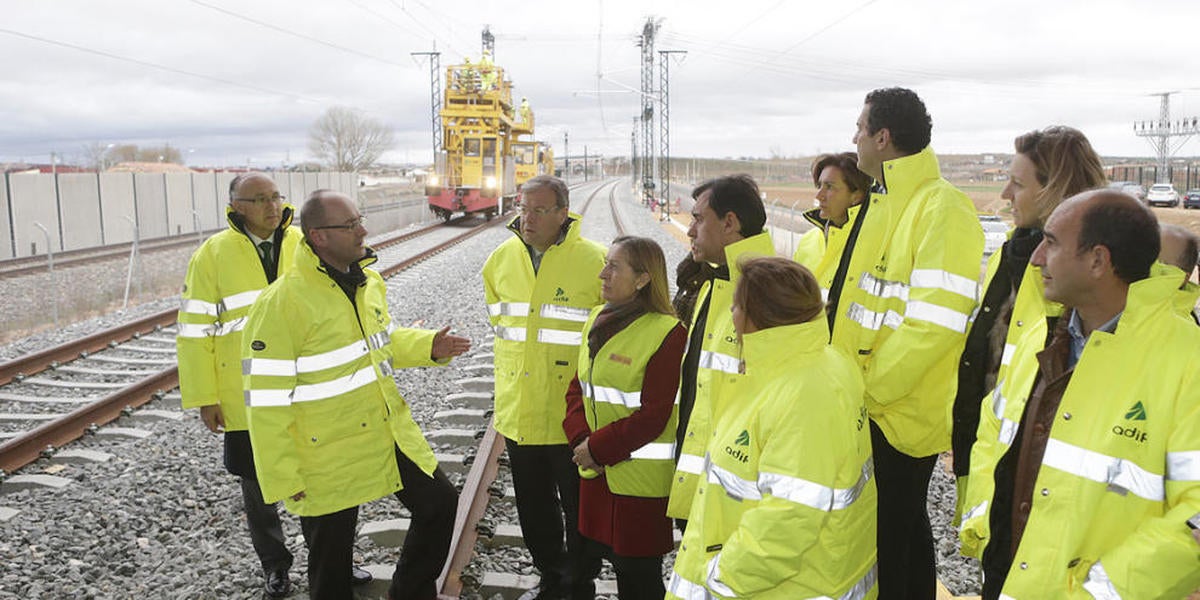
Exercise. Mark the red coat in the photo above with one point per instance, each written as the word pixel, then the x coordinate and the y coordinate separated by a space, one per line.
pixel 630 525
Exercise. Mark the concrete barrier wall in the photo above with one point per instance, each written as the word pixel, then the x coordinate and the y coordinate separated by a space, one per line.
pixel 210 205
pixel 81 210
pixel 79 197
pixel 181 218
pixel 150 191
pixel 6 241
pixel 117 191
pixel 33 201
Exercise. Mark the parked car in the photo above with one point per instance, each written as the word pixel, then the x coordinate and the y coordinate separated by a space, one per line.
pixel 1135 190
pixel 1191 199
pixel 1162 194
pixel 995 233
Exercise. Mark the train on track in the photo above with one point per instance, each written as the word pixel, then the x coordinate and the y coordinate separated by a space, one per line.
pixel 488 147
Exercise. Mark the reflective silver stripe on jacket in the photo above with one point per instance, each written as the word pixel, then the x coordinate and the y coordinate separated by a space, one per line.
pixel 687 590
pixel 690 463
pixel 975 511
pixel 271 367
pixel 565 313
pixel 378 340
pixel 719 362
pixel 334 387
pixel 1121 475
pixel 1183 466
pixel 862 587
pixel 945 280
pixel 883 288
pixel 508 309
pixel 938 315
pixel 1006 358
pixel 257 398
pixel 215 329
pixel 197 307
pixel 655 451
pixel 238 301
pixel 1099 585
pixel 812 494
pixel 559 336
pixel 333 358
pixel 512 334
pixel 871 319
pixel 713 578
pixel 611 395
pixel 1008 427
pixel 735 487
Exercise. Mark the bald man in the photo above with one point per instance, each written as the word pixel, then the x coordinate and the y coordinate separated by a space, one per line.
pixel 330 429
pixel 1085 473
pixel 224 277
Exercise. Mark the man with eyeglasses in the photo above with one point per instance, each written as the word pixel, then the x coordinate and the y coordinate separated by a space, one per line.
pixel 224 277
pixel 330 429
pixel 540 286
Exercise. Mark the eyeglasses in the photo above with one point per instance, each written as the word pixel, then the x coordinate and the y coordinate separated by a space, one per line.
pixel 277 197
pixel 540 211
pixel 348 225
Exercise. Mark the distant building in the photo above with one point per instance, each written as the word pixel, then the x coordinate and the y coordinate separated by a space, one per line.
pixel 146 167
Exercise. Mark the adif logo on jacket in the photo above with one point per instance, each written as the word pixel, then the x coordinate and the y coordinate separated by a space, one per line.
pixel 743 439
pixel 1137 412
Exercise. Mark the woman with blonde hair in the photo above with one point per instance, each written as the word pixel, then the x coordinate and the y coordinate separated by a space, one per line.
pixel 786 505
pixel 621 419
pixel 1050 165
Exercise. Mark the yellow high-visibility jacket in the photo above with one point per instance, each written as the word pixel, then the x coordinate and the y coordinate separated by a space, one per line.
pixel 820 249
pixel 537 320
pixel 787 508
pixel 224 277
pixel 1030 308
pixel 612 390
pixel 720 357
pixel 910 290
pixel 324 412
pixel 1121 471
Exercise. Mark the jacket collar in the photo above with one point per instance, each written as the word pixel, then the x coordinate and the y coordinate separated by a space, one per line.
pixel 760 244
pixel 1146 298
pixel 761 349
pixel 814 216
pixel 306 259
pixel 902 176
pixel 238 224
pixel 569 232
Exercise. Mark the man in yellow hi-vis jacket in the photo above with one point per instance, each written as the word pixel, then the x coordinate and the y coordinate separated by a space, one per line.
pixel 224 277
pixel 541 285
pixel 899 304
pixel 329 428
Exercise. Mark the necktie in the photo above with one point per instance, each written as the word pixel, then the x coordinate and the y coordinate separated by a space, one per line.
pixel 264 254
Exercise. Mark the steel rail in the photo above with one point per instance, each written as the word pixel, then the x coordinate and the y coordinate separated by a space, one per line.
pixel 25 448
pixel 25 265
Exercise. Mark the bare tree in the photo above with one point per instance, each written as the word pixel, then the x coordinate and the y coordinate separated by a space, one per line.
pixel 95 155
pixel 348 140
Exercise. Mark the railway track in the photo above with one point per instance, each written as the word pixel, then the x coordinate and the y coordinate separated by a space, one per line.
pixel 52 397
pixel 15 267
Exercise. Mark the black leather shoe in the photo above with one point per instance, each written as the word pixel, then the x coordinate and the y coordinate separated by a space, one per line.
pixel 278 585
pixel 359 576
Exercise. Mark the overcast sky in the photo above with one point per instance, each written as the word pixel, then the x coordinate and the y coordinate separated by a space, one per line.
pixel 240 82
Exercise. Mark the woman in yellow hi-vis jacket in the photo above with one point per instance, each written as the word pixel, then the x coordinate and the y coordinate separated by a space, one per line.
pixel 621 418
pixel 786 507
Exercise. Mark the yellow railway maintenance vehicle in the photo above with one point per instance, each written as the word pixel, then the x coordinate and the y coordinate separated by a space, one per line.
pixel 484 159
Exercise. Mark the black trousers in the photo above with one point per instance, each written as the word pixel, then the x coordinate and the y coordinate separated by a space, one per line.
pixel 266 532
pixel 431 500
pixel 907 564
pixel 638 577
pixel 546 483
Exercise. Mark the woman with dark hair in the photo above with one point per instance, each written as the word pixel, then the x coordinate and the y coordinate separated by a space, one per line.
pixel 841 190
pixel 1050 165
pixel 786 506
pixel 621 420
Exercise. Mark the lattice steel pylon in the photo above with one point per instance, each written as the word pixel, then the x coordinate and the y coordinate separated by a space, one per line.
pixel 646 42
pixel 664 128
pixel 1160 132
pixel 435 98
